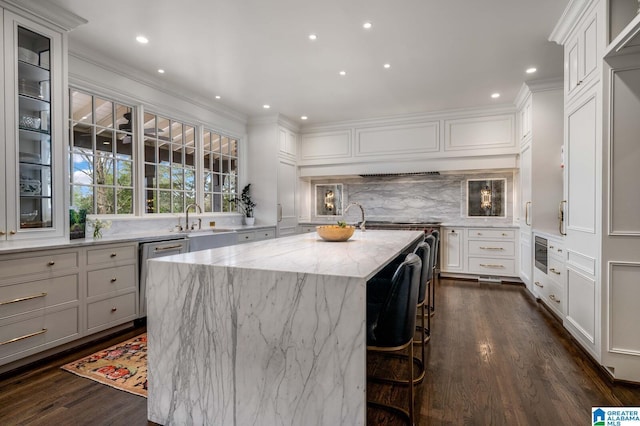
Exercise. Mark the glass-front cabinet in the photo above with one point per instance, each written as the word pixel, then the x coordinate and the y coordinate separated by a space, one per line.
pixel 34 105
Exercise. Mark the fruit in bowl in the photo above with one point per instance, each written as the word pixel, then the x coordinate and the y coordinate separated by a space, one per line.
pixel 337 233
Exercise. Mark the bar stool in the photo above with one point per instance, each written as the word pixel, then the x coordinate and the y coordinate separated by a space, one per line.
pixel 423 251
pixel 391 323
pixel 432 304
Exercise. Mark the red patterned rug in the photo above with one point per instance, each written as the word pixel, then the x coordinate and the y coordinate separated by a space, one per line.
pixel 122 366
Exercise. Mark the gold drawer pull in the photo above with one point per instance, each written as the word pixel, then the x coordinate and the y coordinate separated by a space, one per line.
pixel 246 237
pixel 554 298
pixel 554 271
pixel 492 248
pixel 3 233
pixel 114 254
pixel 504 234
pixel 51 263
pixel 114 309
pixel 538 284
pixel 559 250
pixel 490 265
pixel 22 299
pixel 12 232
pixel 479 233
pixel 114 279
pixel 26 336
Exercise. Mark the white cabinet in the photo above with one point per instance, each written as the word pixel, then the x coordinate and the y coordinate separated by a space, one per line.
pixel 40 302
pixel 33 201
pixel 452 249
pixel 541 182
pixel 256 235
pixel 582 53
pixel 288 142
pixel 551 287
pixel 287 197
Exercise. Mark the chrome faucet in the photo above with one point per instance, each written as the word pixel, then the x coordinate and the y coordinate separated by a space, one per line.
pixel 361 209
pixel 195 206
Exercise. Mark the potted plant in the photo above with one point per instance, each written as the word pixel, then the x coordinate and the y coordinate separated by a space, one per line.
pixel 246 204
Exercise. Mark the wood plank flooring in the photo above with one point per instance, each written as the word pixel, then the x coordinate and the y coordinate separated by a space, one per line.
pixel 495 357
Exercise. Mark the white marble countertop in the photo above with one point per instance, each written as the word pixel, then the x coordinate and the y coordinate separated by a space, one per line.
pixel 360 257
pixel 21 246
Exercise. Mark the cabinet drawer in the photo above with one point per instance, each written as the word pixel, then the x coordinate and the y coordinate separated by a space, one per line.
pixel 503 234
pixel 555 250
pixel 265 234
pixel 556 270
pixel 304 229
pixel 38 264
pixel 492 248
pixel 483 265
pixel 112 255
pixel 245 237
pixel 30 296
pixel 111 311
pixel 107 280
pixel 29 334
pixel 552 296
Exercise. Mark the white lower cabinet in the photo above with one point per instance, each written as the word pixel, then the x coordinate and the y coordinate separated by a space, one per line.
pixel 551 287
pixel 52 297
pixel 479 251
pixel 257 235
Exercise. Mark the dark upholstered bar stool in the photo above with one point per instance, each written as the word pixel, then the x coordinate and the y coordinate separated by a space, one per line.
pixel 391 323
pixel 431 241
pixel 423 251
pixel 432 304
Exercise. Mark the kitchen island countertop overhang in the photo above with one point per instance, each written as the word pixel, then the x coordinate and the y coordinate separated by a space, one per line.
pixel 271 332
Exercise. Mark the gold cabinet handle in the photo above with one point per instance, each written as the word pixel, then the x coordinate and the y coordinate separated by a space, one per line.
pixel 492 248
pixel 114 309
pixel 490 265
pixel 538 284
pixel 3 233
pixel 26 336
pixel 22 299
pixel 51 263
pixel 114 254
pixel 114 279
pixel 168 247
pixel 561 218
pixel 479 233
pixel 555 271
pixel 12 232
pixel 504 234
pixel 527 206
pixel 554 298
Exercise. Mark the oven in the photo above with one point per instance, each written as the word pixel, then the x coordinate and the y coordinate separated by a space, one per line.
pixel 540 253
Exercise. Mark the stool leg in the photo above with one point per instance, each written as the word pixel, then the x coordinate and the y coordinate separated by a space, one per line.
pixel 433 293
pixel 410 361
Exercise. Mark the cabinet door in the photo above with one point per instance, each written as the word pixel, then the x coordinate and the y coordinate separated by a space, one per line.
pixel 35 162
pixel 572 66
pixel 3 147
pixel 287 213
pixel 452 250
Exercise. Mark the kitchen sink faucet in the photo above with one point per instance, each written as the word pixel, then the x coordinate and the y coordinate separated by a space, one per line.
pixel 195 206
pixel 361 209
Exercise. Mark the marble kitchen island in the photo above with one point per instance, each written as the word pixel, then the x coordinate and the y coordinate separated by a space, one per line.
pixel 265 333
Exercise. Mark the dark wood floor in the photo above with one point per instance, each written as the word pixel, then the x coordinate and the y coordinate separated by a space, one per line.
pixel 496 357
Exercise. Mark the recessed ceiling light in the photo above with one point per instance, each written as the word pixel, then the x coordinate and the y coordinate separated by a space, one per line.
pixel 142 39
pixel 313 37
pixel 531 70
pixel 265 106
pixel 495 95
pixel 387 65
pixel 342 73
pixel 304 117
pixel 160 71
pixel 367 25
pixel 217 96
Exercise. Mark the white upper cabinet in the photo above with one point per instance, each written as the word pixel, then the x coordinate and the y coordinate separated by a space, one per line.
pixel 33 145
pixel 582 52
pixel 288 142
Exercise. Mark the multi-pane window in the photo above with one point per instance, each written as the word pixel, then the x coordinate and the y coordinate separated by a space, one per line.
pixel 101 154
pixel 169 164
pixel 220 172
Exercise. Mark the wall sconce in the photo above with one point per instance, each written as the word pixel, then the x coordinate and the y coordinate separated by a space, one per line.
pixel 485 198
pixel 329 198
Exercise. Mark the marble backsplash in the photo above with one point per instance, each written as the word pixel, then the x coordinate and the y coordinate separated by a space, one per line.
pixel 420 198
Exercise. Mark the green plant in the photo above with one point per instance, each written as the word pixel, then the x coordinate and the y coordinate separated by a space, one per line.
pixel 244 202
pixel 342 224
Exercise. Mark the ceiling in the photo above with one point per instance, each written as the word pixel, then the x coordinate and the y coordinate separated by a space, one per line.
pixel 443 54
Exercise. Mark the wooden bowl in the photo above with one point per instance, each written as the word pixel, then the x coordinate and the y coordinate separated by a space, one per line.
pixel 335 232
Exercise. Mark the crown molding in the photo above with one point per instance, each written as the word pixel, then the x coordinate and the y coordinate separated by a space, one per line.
pixel 568 20
pixel 49 12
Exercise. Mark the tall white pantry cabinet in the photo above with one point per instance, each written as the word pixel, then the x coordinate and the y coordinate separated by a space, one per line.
pixel 602 88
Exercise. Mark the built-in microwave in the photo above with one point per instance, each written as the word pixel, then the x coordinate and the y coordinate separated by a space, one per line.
pixel 540 253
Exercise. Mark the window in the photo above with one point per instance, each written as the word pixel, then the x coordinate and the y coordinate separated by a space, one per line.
pixel 101 154
pixel 220 172
pixel 169 164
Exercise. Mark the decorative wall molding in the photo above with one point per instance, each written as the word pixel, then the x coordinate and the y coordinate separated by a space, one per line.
pixel 401 139
pixel 326 145
pixel 581 262
pixel 49 12
pixel 576 299
pixel 570 17
pixel 497 131
pixel 623 292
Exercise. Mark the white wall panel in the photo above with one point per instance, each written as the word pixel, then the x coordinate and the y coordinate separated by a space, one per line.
pixel 325 145
pixel 480 132
pixel 581 303
pixel 398 140
pixel 623 312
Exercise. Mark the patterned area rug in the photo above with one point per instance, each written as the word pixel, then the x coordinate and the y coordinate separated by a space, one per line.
pixel 122 366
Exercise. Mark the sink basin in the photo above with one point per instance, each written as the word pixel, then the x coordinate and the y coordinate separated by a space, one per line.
pixel 207 239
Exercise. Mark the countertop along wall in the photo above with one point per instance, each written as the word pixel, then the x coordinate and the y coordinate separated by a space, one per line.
pixel 426 198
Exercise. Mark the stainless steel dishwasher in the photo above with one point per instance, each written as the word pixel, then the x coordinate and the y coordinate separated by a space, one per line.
pixel 151 250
